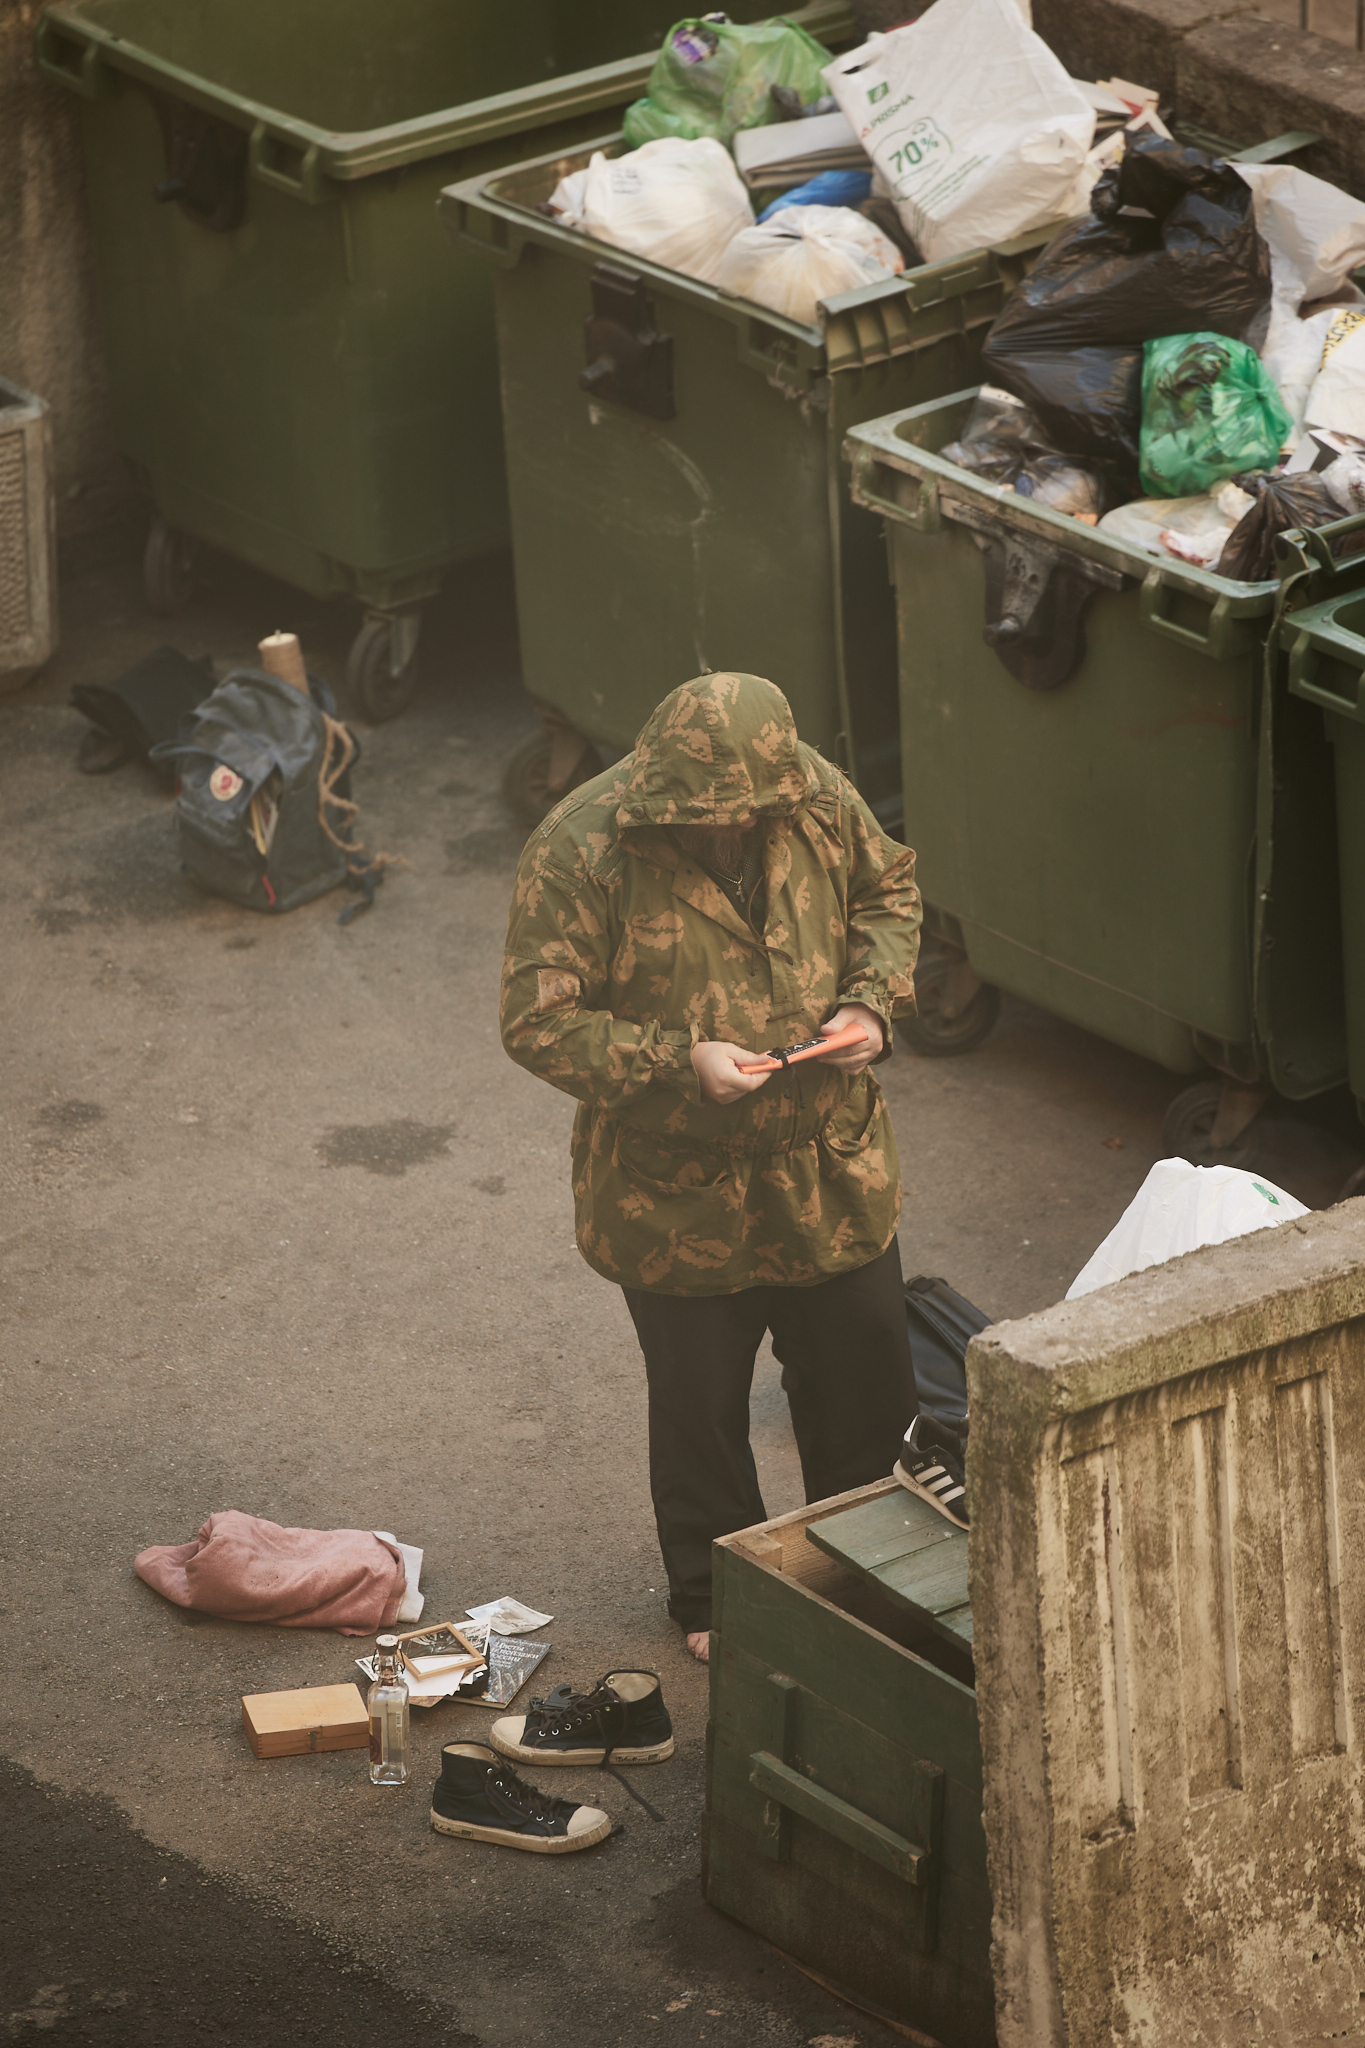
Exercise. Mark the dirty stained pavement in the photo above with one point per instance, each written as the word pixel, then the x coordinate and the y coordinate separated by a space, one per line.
pixel 285 1231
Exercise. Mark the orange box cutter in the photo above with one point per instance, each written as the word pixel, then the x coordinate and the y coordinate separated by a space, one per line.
pixel 809 1049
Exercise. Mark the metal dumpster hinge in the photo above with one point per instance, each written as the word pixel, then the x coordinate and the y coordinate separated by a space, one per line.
pixel 1036 592
pixel 206 164
pixel 629 362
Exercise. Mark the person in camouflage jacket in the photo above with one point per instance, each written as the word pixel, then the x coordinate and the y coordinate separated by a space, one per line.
pixel 720 891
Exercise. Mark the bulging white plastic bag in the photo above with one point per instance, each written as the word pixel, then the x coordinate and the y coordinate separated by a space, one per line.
pixel 805 254
pixel 972 122
pixel 1177 1209
pixel 1316 236
pixel 676 203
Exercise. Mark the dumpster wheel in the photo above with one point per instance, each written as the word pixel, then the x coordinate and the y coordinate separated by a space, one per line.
pixel 167 567
pixel 526 778
pixel 1188 1129
pixel 381 668
pixel 954 1011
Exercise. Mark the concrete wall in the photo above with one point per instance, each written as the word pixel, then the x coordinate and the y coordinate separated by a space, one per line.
pixel 1167 1481
pixel 1226 67
pixel 49 337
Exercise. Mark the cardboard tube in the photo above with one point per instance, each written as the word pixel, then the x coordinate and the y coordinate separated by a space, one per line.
pixel 282 656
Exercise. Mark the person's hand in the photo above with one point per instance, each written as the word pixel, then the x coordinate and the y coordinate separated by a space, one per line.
pixel 851 1059
pixel 718 1063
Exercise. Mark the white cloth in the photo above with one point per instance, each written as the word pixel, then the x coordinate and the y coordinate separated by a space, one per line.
pixel 1177 1209
pixel 410 1608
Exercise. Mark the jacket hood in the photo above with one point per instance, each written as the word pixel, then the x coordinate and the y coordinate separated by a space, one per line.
pixel 717 749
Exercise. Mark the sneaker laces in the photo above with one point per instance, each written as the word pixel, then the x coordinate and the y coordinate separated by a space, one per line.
pixel 529 1799
pixel 564 1712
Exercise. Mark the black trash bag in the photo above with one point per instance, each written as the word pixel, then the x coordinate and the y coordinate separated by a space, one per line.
pixel 140 709
pixel 255 762
pixel 941 1324
pixel 1282 503
pixel 1171 247
pixel 1005 443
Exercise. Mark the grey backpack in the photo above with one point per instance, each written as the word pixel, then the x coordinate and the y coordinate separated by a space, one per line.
pixel 263 806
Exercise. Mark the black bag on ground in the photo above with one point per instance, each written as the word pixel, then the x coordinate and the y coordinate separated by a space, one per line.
pixel 941 1324
pixel 259 789
pixel 142 709
pixel 1171 247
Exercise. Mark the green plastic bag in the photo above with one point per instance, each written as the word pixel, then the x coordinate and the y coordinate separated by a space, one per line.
pixel 1209 411
pixel 713 77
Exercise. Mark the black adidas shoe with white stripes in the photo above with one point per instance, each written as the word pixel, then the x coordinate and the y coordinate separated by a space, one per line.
pixel 931 1465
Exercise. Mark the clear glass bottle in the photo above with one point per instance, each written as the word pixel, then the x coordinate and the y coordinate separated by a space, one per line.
pixel 387 1702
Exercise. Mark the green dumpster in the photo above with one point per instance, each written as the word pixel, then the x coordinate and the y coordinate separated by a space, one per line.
pixel 1324 647
pixel 696 518
pixel 1120 811
pixel 299 372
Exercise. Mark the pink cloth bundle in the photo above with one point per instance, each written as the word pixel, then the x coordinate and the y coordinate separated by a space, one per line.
pixel 244 1569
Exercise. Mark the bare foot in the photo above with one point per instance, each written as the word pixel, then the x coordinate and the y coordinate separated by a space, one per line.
pixel 700 1645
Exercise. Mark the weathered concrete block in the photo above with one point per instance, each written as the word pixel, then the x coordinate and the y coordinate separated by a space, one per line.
pixel 1168 1485
pixel 1135 39
pixel 1245 77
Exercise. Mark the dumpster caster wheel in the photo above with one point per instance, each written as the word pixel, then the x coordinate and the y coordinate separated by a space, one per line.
pixel 954 1009
pixel 167 567
pixel 1209 1124
pixel 381 668
pixel 526 778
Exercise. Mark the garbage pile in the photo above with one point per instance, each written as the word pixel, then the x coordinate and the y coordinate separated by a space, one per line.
pixel 1182 368
pixel 855 165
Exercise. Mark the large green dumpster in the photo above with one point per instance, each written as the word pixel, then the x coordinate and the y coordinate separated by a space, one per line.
pixel 1120 813
pixel 654 539
pixel 1324 648
pixel 299 372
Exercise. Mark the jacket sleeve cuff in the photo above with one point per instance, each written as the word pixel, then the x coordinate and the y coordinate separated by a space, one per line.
pixel 673 1068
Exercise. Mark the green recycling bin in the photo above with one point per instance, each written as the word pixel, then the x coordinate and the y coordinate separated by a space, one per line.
pixel 299 372
pixel 1120 811
pixel 690 511
pixel 1323 646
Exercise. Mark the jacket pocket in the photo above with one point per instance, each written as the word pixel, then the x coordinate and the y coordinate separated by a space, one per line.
pixel 856 1144
pixel 681 1192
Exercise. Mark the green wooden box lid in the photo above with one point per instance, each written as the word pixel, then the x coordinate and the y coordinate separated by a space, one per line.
pixel 914 1554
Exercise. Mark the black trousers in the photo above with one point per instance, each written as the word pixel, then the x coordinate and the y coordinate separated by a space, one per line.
pixel 846 1372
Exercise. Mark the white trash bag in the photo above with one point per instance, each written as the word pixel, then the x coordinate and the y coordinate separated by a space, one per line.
pixel 1316 237
pixel 972 122
pixel 676 203
pixel 1177 1209
pixel 1193 529
pixel 805 254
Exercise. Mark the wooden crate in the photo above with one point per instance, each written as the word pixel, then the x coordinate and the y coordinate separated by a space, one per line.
pixel 844 1763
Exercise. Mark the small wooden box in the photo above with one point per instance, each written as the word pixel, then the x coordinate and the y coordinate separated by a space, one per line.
pixel 315 1717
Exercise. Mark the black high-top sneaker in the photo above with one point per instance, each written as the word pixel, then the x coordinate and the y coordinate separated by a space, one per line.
pixel 931 1464
pixel 480 1796
pixel 623 1719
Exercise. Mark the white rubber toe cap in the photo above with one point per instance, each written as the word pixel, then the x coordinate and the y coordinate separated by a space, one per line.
pixel 589 1820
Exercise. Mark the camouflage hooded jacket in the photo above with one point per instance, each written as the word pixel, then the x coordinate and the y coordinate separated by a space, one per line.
pixel 622 953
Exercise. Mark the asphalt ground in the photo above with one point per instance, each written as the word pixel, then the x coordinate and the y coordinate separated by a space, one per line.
pixel 284 1230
